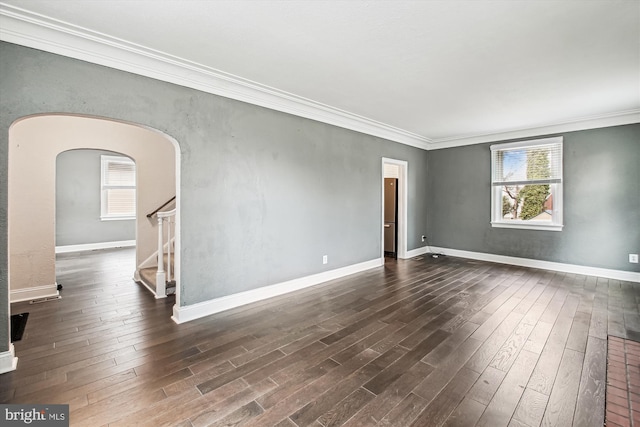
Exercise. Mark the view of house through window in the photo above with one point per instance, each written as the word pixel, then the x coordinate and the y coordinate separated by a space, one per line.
pixel 118 188
pixel 527 184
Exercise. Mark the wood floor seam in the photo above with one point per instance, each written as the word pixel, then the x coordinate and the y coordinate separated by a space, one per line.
pixel 418 342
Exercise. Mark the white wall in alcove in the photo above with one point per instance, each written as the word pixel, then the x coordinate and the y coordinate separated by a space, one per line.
pixel 34 143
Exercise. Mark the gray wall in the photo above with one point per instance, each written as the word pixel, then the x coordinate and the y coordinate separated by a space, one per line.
pixel 601 202
pixel 264 194
pixel 78 201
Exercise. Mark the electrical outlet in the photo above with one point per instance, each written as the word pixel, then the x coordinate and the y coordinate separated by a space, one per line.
pixel 325 259
pixel 633 258
pixel 424 237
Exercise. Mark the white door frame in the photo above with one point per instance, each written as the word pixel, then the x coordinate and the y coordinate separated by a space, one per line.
pixel 403 197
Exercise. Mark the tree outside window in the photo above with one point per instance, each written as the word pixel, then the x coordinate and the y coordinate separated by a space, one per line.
pixel 527 184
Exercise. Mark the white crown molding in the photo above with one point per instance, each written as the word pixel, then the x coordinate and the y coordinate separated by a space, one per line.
pixel 592 122
pixel 206 308
pixel 629 276
pixel 37 31
pixel 25 28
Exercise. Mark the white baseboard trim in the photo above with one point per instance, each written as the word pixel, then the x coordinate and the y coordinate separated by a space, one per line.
pixel 206 308
pixel 95 246
pixel 8 360
pixel 629 276
pixel 36 292
pixel 416 252
pixel 146 285
pixel 137 278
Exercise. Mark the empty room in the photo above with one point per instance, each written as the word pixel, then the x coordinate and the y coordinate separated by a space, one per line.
pixel 320 213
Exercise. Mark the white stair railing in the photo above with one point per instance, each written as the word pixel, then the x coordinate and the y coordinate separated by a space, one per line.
pixel 162 277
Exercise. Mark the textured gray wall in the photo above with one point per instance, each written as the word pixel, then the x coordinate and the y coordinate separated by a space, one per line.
pixel 78 201
pixel 601 202
pixel 264 194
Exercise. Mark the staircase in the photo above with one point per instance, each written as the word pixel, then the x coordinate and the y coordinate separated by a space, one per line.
pixel 156 273
pixel 148 276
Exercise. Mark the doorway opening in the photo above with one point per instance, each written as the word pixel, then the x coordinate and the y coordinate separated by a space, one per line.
pixel 394 208
pixel 95 215
pixel 34 145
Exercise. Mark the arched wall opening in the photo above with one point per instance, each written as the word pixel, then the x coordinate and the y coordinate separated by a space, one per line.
pixel 34 144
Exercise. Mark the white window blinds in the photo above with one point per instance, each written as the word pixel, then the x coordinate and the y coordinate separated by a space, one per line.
pixel 118 188
pixel 120 173
pixel 525 163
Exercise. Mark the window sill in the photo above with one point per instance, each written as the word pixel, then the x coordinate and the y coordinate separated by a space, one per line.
pixel 117 218
pixel 527 226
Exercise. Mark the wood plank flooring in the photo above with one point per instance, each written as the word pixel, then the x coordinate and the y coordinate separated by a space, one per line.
pixel 421 342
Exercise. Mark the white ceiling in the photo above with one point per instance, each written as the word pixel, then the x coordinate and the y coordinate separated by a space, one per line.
pixel 440 73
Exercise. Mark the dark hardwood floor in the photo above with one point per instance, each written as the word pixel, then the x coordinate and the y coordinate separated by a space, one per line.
pixel 421 342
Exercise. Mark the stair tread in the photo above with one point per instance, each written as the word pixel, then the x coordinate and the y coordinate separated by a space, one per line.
pixel 148 274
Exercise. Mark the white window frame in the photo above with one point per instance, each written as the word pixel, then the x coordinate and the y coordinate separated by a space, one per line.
pixel 555 188
pixel 104 162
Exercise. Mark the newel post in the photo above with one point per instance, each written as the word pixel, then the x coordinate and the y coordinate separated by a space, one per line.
pixel 161 280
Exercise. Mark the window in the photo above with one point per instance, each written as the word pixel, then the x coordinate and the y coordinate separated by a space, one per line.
pixel 526 184
pixel 118 180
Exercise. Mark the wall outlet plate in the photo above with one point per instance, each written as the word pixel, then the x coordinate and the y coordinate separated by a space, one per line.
pixel 633 258
pixel 325 259
pixel 424 238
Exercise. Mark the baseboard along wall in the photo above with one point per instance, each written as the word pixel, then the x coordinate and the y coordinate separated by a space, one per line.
pixel 196 311
pixel 34 293
pixel 206 308
pixel 629 276
pixel 8 360
pixel 95 246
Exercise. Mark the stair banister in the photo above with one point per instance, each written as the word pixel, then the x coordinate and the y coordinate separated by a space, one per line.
pixel 159 208
pixel 161 280
pixel 169 222
pixel 161 277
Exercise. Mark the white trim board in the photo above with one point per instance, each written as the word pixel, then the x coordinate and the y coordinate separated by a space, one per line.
pixel 594 122
pixel 25 28
pixel 8 360
pixel 36 31
pixel 403 200
pixel 416 252
pixel 35 292
pixel 629 276
pixel 138 279
pixel 206 308
pixel 95 246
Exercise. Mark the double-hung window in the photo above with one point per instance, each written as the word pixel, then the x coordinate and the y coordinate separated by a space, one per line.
pixel 118 181
pixel 526 184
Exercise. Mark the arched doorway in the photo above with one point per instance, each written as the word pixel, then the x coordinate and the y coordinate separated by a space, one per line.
pixel 34 144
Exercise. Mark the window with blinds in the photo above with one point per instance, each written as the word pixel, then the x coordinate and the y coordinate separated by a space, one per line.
pixel 526 184
pixel 118 188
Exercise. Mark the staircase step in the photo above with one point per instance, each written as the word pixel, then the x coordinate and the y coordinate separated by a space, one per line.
pixel 148 275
